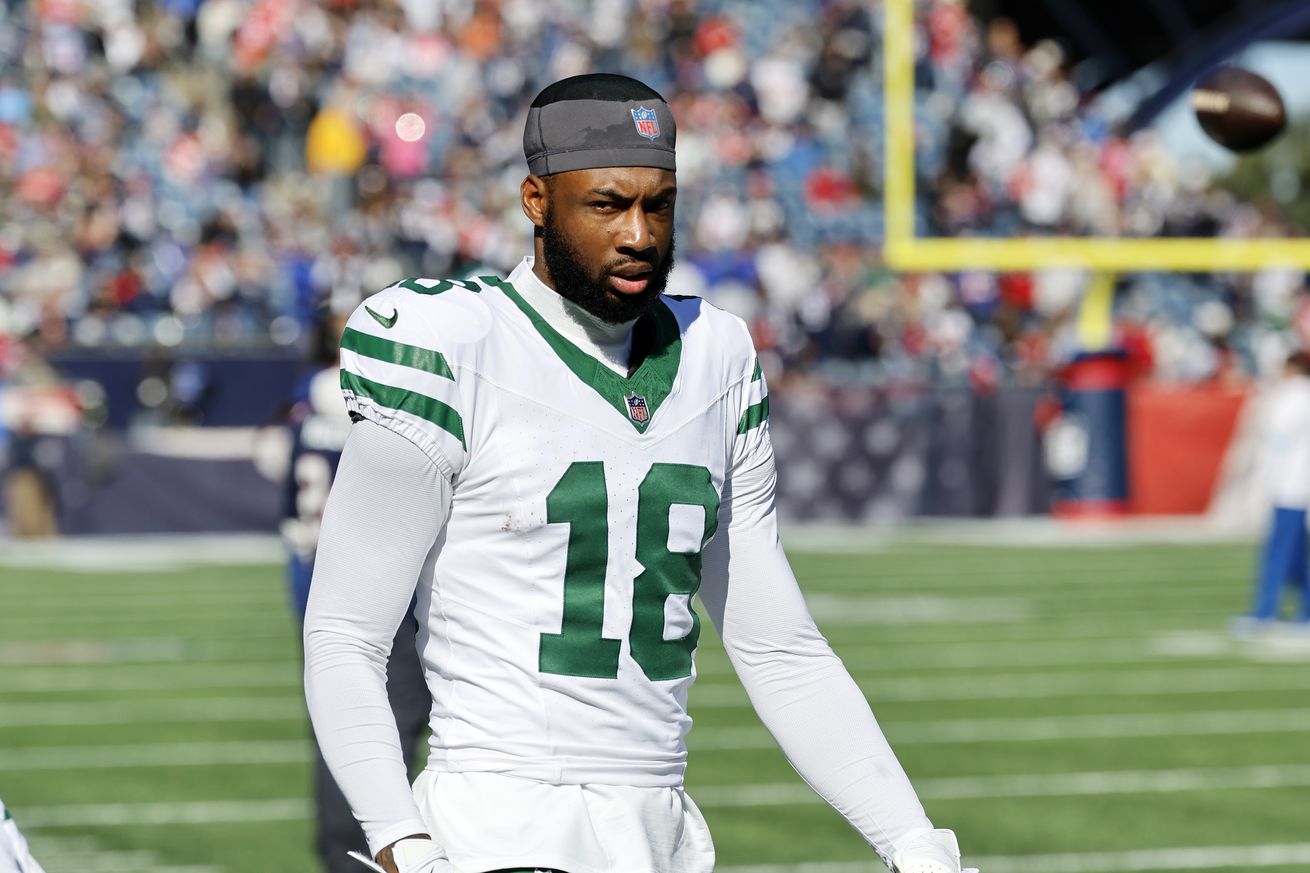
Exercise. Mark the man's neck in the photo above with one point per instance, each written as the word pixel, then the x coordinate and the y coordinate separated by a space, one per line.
pixel 607 342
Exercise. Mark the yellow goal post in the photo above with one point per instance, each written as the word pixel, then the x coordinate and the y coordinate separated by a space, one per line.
pixel 905 251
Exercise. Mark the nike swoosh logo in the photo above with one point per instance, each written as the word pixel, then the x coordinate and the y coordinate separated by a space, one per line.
pixel 385 322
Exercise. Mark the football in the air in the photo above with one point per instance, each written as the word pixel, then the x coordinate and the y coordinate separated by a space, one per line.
pixel 1238 109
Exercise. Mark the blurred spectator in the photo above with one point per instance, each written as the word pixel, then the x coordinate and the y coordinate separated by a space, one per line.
pixel 28 492
pixel 201 175
pixel 1285 458
pixel 36 409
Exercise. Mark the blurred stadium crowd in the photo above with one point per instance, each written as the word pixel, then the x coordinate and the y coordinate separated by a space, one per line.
pixel 213 174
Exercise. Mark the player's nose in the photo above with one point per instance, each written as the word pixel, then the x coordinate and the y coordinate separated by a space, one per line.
pixel 635 233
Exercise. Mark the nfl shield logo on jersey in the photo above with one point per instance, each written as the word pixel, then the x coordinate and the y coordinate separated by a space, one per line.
pixel 647 124
pixel 638 411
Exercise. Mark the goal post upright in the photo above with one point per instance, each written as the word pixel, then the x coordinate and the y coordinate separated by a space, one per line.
pixel 898 124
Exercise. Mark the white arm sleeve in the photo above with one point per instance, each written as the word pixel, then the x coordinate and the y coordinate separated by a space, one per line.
pixel 386 509
pixel 800 688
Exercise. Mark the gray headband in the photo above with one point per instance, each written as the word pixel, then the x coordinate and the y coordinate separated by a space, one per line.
pixel 587 134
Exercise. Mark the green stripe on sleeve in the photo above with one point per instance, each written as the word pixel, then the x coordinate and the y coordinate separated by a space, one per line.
pixel 754 416
pixel 755 377
pixel 380 349
pixel 438 286
pixel 417 405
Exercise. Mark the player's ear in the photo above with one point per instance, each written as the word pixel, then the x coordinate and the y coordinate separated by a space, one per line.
pixel 534 196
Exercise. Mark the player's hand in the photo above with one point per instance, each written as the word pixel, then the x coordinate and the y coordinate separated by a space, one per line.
pixel 930 851
pixel 417 854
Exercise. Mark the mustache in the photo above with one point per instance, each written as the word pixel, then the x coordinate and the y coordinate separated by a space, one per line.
pixel 652 261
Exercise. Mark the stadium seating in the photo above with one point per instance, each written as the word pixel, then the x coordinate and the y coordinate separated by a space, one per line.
pixel 205 175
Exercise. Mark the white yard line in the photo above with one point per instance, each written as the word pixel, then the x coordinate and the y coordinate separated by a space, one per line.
pixel 1054 570
pixel 706 694
pixel 112 862
pixel 175 710
pixel 1029 729
pixel 264 596
pixel 244 618
pixel 147 653
pixel 260 752
pixel 1286 642
pixel 138 552
pixel 1051 684
pixel 1133 861
pixel 193 812
pixel 114 865
pixel 1037 785
pixel 1054 581
pixel 122 863
pixel 87 854
pixel 147 677
pixel 155 755
pixel 1117 782
pixel 1185 858
pixel 1060 586
pixel 780 794
pixel 897 658
pixel 151 650
pixel 1023 730
pixel 121 553
pixel 838 610
pixel 1031 532
pixel 142 652
pixel 842 609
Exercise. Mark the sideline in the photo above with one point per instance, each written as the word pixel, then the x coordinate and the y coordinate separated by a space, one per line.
pixel 172 551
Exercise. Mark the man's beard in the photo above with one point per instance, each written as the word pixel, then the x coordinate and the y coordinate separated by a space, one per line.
pixel 593 292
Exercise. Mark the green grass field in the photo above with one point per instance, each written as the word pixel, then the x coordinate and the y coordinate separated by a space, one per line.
pixel 1065 709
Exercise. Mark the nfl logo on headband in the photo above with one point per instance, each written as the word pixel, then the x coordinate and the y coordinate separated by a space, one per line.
pixel 646 123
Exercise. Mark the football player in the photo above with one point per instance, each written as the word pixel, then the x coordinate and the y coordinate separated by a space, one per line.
pixel 1285 463
pixel 14 854
pixel 558 461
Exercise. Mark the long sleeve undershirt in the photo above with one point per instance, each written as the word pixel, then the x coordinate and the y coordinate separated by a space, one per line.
pixel 798 686
pixel 386 509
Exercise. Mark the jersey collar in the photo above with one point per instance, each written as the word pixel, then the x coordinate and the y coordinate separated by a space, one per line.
pixel 638 396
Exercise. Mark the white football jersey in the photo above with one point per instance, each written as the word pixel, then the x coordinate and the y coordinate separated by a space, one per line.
pixel 557 630
pixel 1285 451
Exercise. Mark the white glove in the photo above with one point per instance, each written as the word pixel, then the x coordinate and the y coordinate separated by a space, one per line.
pixel 934 851
pixel 413 855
